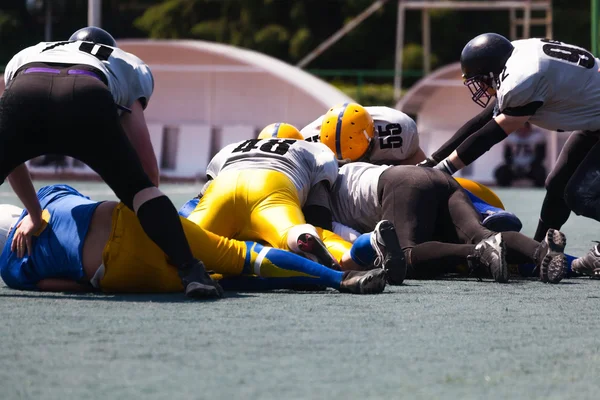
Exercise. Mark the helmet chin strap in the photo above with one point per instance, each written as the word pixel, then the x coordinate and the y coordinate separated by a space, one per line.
pixel 364 132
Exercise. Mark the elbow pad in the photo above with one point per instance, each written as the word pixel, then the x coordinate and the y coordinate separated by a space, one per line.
pixel 476 145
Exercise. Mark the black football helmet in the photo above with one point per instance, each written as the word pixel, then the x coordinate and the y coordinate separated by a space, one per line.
pixel 482 60
pixel 95 35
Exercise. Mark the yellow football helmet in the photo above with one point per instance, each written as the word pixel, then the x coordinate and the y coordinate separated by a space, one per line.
pixel 280 130
pixel 348 130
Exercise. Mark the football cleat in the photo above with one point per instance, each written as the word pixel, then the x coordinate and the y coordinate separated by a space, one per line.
pixel 197 283
pixel 313 245
pixel 364 282
pixel 588 264
pixel 551 260
pixel 390 256
pixel 490 254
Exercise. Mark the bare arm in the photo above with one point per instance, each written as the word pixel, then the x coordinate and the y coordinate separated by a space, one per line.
pixel 62 285
pixel 135 127
pixel 20 181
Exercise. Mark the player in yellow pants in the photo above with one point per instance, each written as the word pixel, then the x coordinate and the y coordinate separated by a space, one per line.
pixel 86 244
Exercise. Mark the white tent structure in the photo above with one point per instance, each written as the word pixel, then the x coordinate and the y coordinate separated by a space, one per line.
pixel 207 95
pixel 441 104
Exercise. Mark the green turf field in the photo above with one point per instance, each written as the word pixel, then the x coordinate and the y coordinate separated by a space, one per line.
pixel 444 339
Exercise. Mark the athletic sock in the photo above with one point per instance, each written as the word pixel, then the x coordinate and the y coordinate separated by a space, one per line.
pixel 362 252
pixel 554 214
pixel 268 262
pixel 433 258
pixel 160 221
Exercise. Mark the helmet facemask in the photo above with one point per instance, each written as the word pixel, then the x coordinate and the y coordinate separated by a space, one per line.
pixel 479 86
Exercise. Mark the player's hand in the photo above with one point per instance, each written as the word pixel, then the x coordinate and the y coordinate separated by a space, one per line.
pixel 428 163
pixel 22 240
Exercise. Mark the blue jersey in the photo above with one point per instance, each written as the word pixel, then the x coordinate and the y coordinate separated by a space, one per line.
pixel 57 250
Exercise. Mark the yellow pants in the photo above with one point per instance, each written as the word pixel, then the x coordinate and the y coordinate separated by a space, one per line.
pixel 135 264
pixel 481 191
pixel 334 243
pixel 257 205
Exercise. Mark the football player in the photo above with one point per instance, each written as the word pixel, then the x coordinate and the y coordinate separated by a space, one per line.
pixel 261 189
pixel 85 98
pixel 396 142
pixel 550 84
pixel 436 223
pixel 86 245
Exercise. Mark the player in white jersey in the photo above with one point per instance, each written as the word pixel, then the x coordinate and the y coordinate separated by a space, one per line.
pixel 436 223
pixel 85 98
pixel 396 142
pixel 524 154
pixel 262 189
pixel 396 138
pixel 553 85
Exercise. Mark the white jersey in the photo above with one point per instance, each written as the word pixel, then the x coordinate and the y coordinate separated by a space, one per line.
pixel 396 136
pixel 556 83
pixel 523 147
pixel 305 164
pixel 129 79
pixel 354 201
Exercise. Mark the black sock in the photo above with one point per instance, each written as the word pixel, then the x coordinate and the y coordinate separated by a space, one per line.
pixel 160 221
pixel 434 258
pixel 554 214
pixel 520 249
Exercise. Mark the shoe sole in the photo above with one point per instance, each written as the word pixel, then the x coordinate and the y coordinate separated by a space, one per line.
pixel 554 265
pixel 396 264
pixel 197 290
pixel 374 282
pixel 312 244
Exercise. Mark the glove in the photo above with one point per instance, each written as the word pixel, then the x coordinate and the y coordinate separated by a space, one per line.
pixel 428 163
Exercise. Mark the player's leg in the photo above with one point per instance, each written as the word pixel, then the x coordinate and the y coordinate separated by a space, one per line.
pixel 113 157
pixel 513 247
pixel 410 200
pixel 133 263
pixel 490 207
pixel 25 130
pixel 582 195
pixel 555 210
pixel 276 217
pixel 219 210
pixel 292 270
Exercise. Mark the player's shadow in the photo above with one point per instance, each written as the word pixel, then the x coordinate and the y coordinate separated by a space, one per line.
pixel 118 298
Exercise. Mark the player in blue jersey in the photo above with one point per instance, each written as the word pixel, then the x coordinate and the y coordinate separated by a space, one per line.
pixel 85 98
pixel 86 245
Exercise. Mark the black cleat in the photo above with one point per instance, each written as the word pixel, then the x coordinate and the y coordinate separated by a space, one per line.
pixel 390 256
pixel 490 254
pixel 197 282
pixel 363 282
pixel 551 260
pixel 313 245
pixel 588 264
